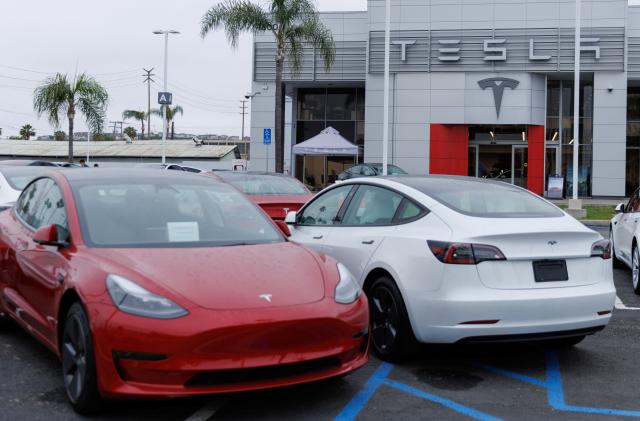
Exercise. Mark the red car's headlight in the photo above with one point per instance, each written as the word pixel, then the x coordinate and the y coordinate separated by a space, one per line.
pixel 347 290
pixel 131 298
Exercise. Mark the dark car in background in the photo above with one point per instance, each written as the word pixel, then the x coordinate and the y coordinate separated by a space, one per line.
pixel 276 194
pixel 369 170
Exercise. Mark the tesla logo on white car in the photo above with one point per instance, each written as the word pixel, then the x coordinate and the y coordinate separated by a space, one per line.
pixel 553 243
pixel 266 297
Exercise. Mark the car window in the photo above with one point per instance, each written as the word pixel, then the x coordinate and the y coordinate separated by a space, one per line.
pixel 367 171
pixel 50 208
pixel 410 211
pixel 632 206
pixel 355 170
pixel 26 205
pixel 324 209
pixel 372 205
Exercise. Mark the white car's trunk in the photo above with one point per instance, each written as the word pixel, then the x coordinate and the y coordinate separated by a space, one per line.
pixel 525 241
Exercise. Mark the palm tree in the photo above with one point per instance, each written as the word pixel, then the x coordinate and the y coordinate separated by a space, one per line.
pixel 135 115
pixel 171 114
pixel 293 23
pixel 59 96
pixel 26 132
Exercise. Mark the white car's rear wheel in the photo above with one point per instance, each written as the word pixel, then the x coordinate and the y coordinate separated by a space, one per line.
pixel 635 269
pixel 391 332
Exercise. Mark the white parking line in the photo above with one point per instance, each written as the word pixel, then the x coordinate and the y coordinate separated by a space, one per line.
pixel 207 411
pixel 620 305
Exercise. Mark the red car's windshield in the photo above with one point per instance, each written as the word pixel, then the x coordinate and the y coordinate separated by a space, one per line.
pixel 165 213
pixel 265 185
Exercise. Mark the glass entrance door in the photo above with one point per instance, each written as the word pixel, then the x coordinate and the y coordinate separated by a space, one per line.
pixel 495 162
pixel 551 164
pixel 520 166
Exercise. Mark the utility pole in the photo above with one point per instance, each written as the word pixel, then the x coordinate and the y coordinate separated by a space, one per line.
pixel 244 113
pixel 115 128
pixel 148 79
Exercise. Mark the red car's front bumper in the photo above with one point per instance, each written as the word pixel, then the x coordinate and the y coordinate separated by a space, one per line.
pixel 226 351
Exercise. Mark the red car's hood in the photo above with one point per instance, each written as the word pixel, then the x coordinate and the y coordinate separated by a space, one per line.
pixel 275 206
pixel 225 278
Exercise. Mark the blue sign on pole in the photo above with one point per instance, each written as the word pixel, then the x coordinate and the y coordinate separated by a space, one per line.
pixel 266 138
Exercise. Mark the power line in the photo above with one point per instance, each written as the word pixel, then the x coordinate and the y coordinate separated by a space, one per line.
pixel 148 78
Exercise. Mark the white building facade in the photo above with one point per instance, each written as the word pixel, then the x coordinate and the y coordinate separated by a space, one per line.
pixel 478 88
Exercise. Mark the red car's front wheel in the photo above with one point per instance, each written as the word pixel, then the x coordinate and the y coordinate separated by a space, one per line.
pixel 78 362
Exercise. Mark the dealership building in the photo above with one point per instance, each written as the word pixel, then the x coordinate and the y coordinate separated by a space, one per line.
pixel 478 87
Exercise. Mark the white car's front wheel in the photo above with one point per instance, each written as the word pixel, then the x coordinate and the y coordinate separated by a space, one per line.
pixel 391 332
pixel 635 269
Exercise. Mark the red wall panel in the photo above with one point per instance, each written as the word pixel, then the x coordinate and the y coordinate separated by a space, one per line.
pixel 536 159
pixel 448 149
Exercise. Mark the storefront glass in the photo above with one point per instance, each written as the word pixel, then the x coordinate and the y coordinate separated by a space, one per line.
pixel 319 108
pixel 559 131
pixel 633 140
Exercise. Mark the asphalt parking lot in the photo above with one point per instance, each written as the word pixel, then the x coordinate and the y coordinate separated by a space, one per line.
pixel 600 378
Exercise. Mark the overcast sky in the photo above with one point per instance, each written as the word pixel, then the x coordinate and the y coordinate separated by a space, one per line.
pixel 113 41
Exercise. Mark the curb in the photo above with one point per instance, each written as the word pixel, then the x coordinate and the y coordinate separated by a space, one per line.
pixel 595 223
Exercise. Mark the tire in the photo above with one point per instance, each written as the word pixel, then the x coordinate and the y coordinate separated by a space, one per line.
pixel 564 342
pixel 635 269
pixel 617 263
pixel 78 362
pixel 4 321
pixel 391 334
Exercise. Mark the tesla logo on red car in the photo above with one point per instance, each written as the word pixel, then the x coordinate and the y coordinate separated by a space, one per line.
pixel 266 297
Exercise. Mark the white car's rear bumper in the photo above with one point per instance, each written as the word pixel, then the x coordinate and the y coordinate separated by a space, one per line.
pixel 439 316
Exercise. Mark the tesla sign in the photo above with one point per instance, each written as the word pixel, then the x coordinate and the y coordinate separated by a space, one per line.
pixel 498 85
pixel 494 49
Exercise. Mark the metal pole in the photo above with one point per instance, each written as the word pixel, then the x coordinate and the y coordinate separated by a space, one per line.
pixel 164 107
pixel 385 119
pixel 576 102
pixel 88 144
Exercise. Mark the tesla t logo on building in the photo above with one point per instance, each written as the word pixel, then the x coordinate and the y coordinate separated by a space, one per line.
pixel 266 297
pixel 498 85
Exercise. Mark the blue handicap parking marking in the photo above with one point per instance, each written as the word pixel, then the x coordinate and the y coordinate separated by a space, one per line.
pixel 552 383
pixel 555 390
pixel 380 377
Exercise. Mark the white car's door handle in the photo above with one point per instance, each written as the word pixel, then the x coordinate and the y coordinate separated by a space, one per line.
pixel 368 242
pixel 317 237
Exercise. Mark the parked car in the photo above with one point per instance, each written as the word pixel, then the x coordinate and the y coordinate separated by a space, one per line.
pixel 13 180
pixel 157 284
pixel 624 235
pixel 276 194
pixel 369 170
pixel 28 162
pixel 447 260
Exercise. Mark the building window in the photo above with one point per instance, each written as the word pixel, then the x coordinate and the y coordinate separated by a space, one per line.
pixel 633 140
pixel 559 131
pixel 319 108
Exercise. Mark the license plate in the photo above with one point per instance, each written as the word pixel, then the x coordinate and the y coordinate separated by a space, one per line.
pixel 550 271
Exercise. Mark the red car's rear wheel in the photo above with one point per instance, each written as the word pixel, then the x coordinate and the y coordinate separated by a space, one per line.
pixel 78 362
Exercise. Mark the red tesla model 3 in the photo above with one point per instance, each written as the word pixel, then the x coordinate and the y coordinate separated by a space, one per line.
pixel 164 284
pixel 276 194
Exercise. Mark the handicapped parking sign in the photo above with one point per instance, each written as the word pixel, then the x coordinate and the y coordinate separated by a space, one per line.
pixel 266 138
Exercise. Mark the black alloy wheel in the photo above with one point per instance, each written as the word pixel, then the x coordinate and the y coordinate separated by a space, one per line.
pixel 391 334
pixel 78 362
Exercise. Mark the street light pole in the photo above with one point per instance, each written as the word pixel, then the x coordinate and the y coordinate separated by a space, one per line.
pixel 385 118
pixel 576 105
pixel 164 107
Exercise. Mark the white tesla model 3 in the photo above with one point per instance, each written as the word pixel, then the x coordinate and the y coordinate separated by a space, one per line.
pixel 456 259
pixel 625 233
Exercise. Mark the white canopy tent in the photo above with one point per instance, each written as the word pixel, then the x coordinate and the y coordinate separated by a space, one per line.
pixel 328 143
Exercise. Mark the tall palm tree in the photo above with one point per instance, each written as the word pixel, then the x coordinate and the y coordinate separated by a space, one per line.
pixel 135 115
pixel 171 115
pixel 59 96
pixel 293 23
pixel 26 132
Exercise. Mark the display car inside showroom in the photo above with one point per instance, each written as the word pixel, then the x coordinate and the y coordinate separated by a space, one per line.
pixel 484 90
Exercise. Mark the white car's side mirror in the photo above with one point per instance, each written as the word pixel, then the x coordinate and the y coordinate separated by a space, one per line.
pixel 620 208
pixel 291 217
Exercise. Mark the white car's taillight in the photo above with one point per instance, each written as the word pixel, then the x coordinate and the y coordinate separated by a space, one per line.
pixel 601 248
pixel 464 253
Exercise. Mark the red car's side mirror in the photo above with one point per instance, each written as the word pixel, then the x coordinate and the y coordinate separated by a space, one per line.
pixel 50 235
pixel 284 228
